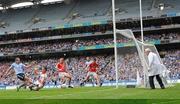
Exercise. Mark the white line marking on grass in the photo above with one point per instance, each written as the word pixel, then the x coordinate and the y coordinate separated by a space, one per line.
pixel 70 94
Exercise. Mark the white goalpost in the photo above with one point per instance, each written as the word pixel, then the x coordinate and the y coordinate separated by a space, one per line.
pixel 130 63
pixel 115 42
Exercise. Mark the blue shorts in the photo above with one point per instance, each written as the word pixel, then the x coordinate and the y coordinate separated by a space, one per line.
pixel 21 76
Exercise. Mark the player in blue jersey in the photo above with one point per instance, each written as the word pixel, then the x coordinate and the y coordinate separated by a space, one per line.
pixel 19 69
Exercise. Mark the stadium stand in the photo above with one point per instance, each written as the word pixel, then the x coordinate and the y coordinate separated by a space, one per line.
pixel 82 39
pixel 75 44
pixel 61 13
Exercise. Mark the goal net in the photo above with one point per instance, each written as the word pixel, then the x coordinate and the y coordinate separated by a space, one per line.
pixel 132 63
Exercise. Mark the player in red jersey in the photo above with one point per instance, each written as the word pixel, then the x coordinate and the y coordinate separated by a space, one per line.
pixel 61 67
pixel 92 67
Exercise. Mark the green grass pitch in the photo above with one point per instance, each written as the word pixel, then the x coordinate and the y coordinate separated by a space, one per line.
pixel 156 96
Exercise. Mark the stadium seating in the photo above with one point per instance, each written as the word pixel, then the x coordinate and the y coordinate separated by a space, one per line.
pixel 74 45
pixel 56 14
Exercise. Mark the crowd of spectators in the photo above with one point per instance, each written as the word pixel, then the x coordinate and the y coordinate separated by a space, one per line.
pixel 35 48
pixel 93 30
pixel 172 62
pixel 75 44
pixel 169 36
pixel 128 65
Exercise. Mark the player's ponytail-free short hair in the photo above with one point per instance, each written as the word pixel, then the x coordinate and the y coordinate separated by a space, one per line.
pixel 17 58
pixel 44 67
pixel 94 59
pixel 147 50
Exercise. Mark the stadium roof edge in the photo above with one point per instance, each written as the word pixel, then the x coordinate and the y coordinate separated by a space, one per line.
pixel 22 3
pixel 7 3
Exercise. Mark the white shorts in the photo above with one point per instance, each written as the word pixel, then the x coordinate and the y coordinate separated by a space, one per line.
pixel 94 74
pixel 62 74
pixel 39 83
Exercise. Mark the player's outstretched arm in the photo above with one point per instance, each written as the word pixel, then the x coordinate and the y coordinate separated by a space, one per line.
pixel 98 70
pixel 56 66
pixel 86 68
pixel 30 65
pixel 7 72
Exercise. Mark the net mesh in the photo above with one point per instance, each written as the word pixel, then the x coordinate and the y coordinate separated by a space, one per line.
pixel 131 59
